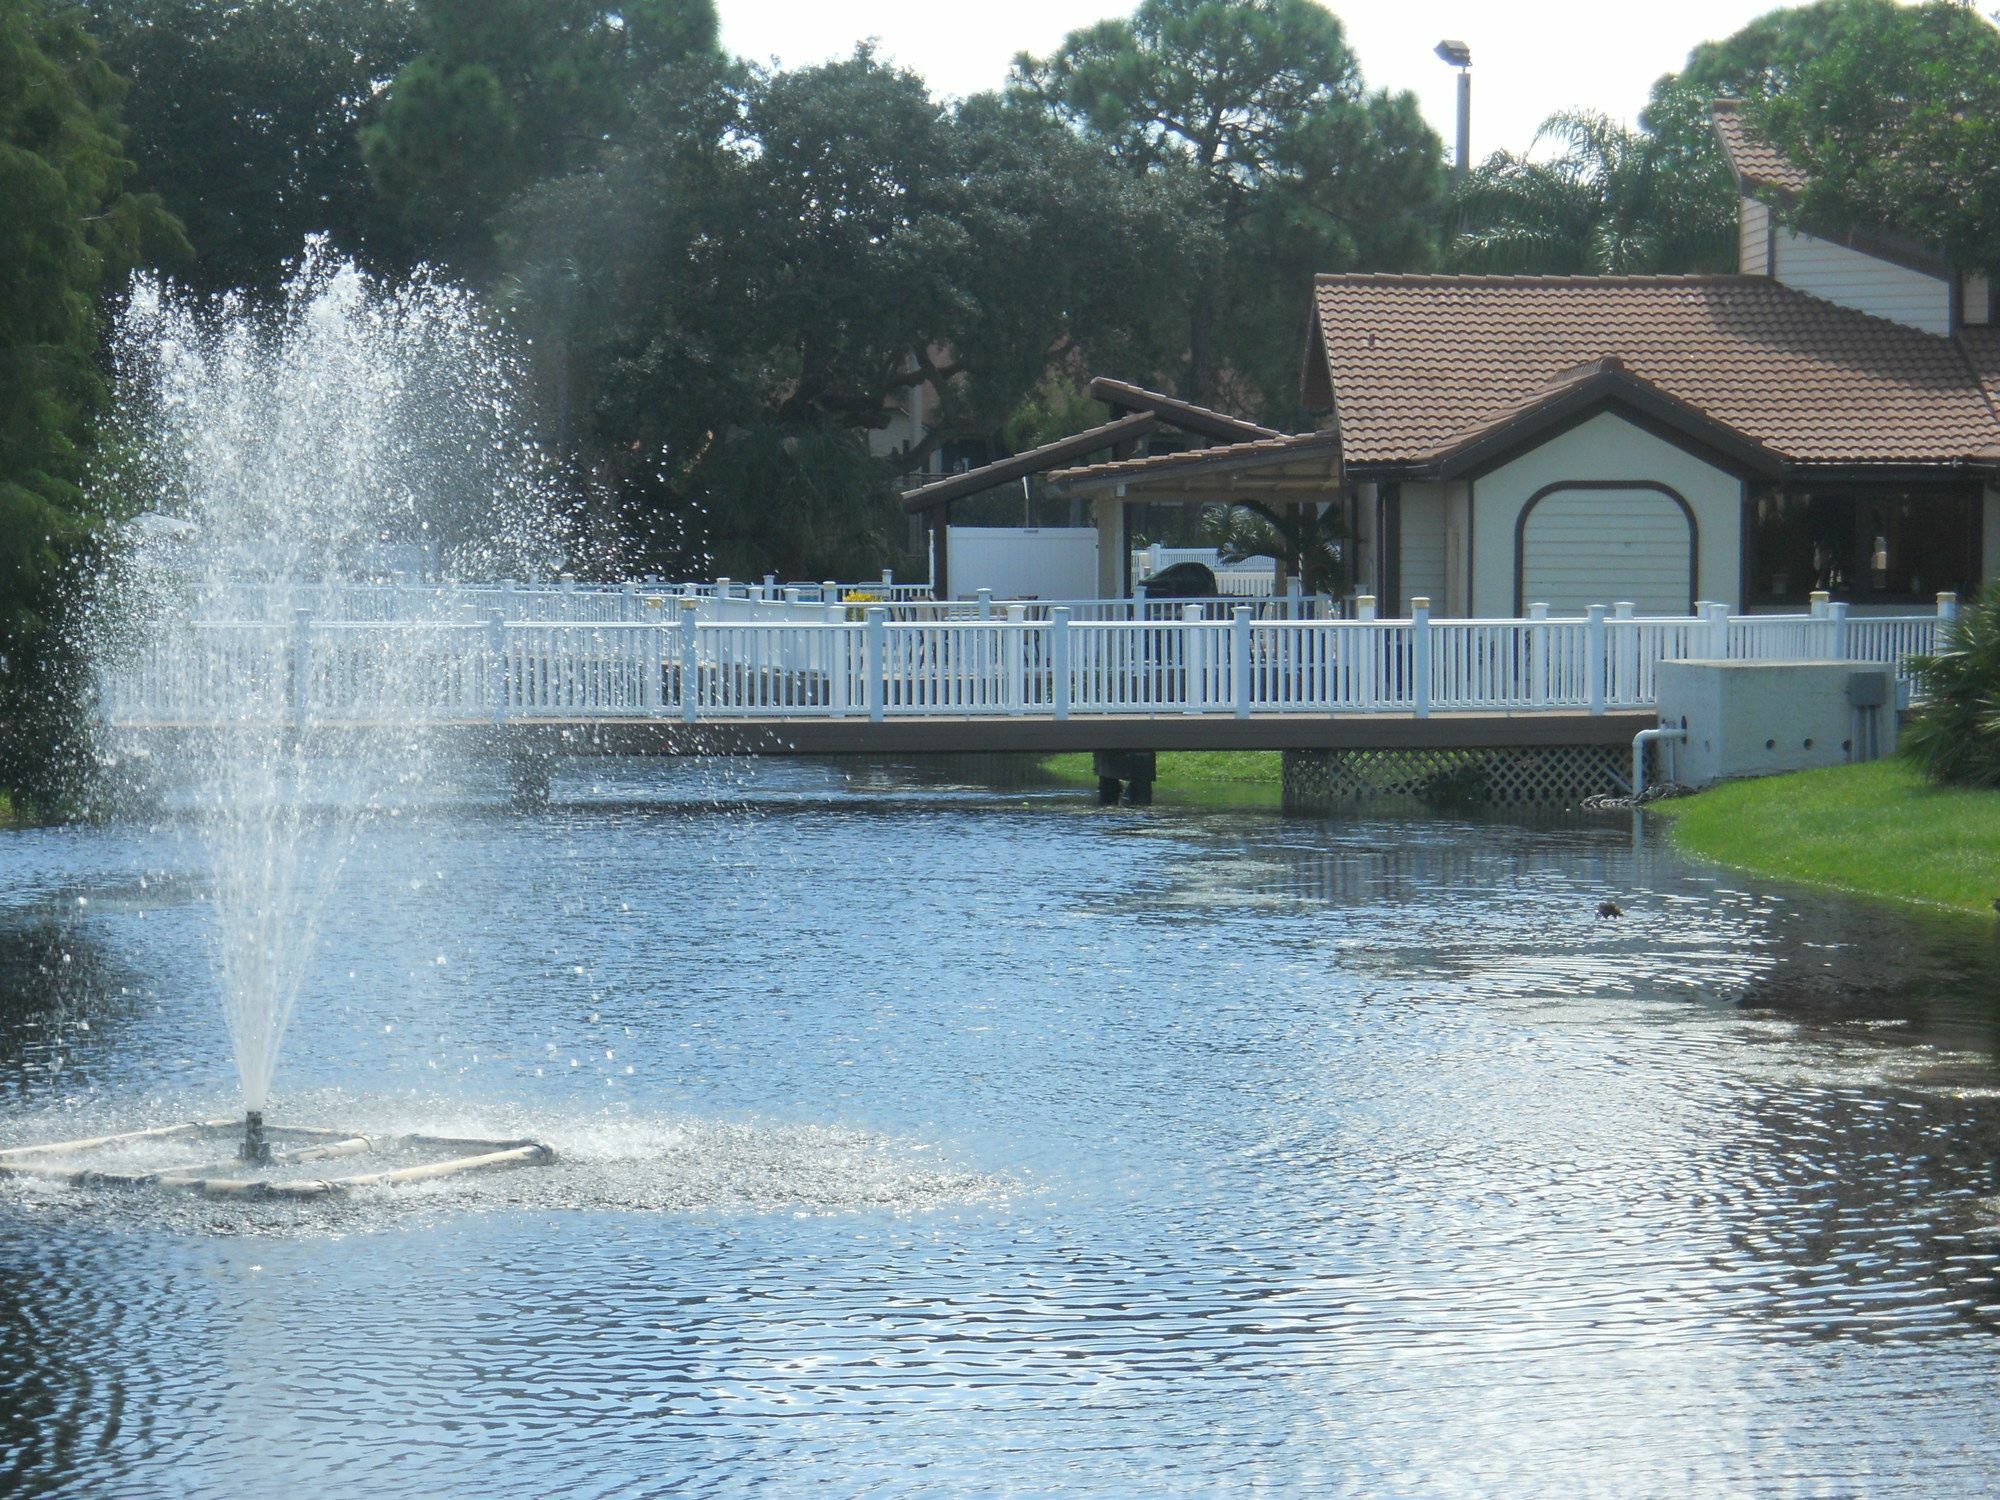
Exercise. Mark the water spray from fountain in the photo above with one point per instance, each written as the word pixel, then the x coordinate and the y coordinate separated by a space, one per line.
pixel 281 454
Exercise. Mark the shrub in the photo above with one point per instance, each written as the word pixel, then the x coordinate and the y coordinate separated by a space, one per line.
pixel 1954 737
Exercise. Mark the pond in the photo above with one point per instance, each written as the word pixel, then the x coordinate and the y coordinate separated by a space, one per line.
pixel 920 1137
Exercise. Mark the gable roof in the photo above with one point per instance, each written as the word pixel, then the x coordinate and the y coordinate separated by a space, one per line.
pixel 1583 391
pixel 1413 364
pixel 1757 165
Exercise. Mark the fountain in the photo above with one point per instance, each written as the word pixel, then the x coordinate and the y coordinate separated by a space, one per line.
pixel 352 431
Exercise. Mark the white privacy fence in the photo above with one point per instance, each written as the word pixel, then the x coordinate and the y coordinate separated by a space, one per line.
pixel 691 665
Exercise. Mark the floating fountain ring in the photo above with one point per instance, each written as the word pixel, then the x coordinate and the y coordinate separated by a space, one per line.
pixel 264 1147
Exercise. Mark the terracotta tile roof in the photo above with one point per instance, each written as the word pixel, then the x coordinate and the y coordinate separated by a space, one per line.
pixel 1982 350
pixel 1417 361
pixel 1225 456
pixel 1753 160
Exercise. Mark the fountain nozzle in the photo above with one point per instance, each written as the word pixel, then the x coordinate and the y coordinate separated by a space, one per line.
pixel 255 1147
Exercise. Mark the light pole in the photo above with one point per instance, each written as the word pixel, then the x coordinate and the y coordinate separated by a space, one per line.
pixel 1460 57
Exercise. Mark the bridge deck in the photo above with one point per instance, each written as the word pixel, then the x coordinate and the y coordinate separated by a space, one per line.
pixel 988 733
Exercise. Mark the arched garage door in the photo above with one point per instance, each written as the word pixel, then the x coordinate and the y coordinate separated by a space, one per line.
pixel 1580 545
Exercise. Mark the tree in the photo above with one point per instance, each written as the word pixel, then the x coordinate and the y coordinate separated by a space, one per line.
pixel 1608 201
pixel 244 118
pixel 736 298
pixel 508 93
pixel 1254 111
pixel 1307 539
pixel 1955 736
pixel 69 228
pixel 1892 110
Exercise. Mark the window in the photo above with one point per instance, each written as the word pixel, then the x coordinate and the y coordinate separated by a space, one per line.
pixel 1865 544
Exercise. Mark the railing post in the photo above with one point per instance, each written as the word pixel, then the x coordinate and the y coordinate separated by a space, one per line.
pixel 301 667
pixel 1623 684
pixel 1838 614
pixel 1718 632
pixel 1239 658
pixel 1594 635
pixel 628 602
pixel 496 648
pixel 1017 659
pixel 508 604
pixel 690 664
pixel 1059 662
pixel 566 583
pixel 875 659
pixel 829 592
pixel 1364 606
pixel 1817 602
pixel 655 652
pixel 1188 654
pixel 1947 606
pixel 985 605
pixel 1538 655
pixel 888 583
pixel 1420 657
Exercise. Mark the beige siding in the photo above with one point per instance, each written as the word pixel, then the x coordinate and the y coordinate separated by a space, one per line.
pixel 1753 238
pixel 1423 544
pixel 1576 542
pixel 1863 282
pixel 1608 448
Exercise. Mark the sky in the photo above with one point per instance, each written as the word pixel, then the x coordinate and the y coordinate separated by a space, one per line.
pixel 1530 57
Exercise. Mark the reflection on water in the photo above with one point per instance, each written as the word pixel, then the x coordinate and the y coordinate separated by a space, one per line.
pixel 924 1138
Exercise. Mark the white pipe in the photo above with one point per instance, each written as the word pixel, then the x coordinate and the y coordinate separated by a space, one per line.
pixel 1639 742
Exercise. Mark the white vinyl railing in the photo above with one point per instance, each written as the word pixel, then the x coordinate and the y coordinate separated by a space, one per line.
pixel 690 665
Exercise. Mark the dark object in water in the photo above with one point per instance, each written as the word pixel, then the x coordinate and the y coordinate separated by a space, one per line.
pixel 1609 909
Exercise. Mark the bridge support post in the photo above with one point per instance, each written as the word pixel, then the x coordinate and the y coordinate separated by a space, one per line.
pixel 1059 663
pixel 1131 771
pixel 1594 658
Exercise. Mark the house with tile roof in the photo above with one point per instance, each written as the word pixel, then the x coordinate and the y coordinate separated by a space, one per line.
pixel 1826 418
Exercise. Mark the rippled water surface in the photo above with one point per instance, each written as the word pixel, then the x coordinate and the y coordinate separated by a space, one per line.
pixel 917 1138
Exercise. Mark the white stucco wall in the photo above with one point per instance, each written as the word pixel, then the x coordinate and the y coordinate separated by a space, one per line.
pixel 1607 447
pixel 1863 282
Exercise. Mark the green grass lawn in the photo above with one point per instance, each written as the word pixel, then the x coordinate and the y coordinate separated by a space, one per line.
pixel 1238 777
pixel 1877 830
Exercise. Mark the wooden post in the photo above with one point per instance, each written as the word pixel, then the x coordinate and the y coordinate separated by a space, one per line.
pixel 1420 657
pixel 1059 662
pixel 1594 658
pixel 875 663
pixel 1239 658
